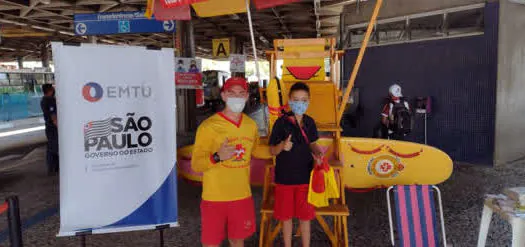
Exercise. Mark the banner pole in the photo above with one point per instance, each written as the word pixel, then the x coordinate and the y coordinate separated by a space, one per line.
pixel 254 48
pixel 161 229
pixel 161 237
pixel 13 220
pixel 83 240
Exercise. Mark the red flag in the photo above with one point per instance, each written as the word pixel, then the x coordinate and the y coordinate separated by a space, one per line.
pixel 162 13
pixel 263 4
pixel 176 3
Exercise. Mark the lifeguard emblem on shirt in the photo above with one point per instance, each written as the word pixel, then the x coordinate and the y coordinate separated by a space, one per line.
pixel 239 152
pixel 385 166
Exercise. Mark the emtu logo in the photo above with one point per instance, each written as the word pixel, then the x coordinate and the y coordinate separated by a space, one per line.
pixel 92 92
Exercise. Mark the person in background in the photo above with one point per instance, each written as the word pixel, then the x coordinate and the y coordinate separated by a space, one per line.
pixel 222 152
pixel 193 67
pixel 215 96
pixel 396 116
pixel 293 140
pixel 49 109
pixel 180 67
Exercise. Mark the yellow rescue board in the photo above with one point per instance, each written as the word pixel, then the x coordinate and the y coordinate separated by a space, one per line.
pixel 377 162
pixel 371 163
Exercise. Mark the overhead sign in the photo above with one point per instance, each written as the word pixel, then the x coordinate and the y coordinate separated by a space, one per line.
pixel 117 146
pixel 221 48
pixel 120 23
pixel 237 63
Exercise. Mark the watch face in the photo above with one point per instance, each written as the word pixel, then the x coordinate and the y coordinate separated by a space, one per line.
pixel 216 157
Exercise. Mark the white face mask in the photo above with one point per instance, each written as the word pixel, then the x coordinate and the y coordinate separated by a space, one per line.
pixel 236 104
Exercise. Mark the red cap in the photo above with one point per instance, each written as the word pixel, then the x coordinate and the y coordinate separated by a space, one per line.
pixel 235 81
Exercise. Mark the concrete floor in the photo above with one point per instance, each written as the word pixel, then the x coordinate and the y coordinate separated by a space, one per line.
pixel 368 222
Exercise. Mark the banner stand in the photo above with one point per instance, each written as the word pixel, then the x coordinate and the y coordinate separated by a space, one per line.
pixel 82 236
pixel 83 241
pixel 161 233
pixel 160 229
pixel 125 102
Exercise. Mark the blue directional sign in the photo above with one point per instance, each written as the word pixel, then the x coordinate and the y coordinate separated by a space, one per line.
pixel 120 23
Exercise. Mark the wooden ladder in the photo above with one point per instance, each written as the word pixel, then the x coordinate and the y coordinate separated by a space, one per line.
pixel 337 210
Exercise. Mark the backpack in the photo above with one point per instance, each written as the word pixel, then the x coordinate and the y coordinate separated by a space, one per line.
pixel 402 120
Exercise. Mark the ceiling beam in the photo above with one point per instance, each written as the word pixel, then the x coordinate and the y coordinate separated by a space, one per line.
pixel 106 7
pixel 23 6
pixel 25 10
pixel 288 34
pixel 8 7
pixel 96 2
pixel 339 3
pixel 55 4
pixel 260 35
pixel 40 14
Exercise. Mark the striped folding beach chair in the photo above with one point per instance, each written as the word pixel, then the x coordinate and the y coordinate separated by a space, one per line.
pixel 416 216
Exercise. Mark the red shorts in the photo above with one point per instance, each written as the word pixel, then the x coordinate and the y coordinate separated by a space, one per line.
pixel 291 201
pixel 236 217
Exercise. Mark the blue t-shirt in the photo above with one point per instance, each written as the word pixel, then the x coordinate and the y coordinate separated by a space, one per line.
pixel 294 167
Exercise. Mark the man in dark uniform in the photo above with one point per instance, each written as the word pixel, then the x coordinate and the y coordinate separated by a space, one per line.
pixel 49 108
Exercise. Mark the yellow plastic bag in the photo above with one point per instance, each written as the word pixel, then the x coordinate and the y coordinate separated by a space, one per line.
pixel 331 188
pixel 316 199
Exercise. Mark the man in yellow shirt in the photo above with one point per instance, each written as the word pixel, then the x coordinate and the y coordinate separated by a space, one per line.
pixel 222 152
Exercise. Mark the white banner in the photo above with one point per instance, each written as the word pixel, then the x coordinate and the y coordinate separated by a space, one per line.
pixel 238 63
pixel 116 118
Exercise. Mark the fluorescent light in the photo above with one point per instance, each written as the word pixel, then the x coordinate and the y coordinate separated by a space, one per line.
pixel 67 33
pixel 43 28
pixel 22 131
pixel 13 22
pixel 9 49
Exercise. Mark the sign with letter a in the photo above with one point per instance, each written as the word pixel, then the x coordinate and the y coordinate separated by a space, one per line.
pixel 117 145
pixel 221 48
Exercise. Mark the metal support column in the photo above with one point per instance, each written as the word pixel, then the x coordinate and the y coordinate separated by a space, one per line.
pixel 44 54
pixel 342 31
pixel 20 61
pixel 186 99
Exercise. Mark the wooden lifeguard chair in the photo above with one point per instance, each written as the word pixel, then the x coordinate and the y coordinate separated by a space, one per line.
pixel 304 60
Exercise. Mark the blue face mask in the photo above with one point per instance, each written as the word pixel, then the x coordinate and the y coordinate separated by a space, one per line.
pixel 298 107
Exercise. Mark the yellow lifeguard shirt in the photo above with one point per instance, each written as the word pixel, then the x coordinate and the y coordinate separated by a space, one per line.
pixel 227 180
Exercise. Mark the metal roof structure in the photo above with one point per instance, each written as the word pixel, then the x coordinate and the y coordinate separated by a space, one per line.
pixel 28 25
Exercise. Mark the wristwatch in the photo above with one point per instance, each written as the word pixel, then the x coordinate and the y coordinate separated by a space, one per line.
pixel 216 158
